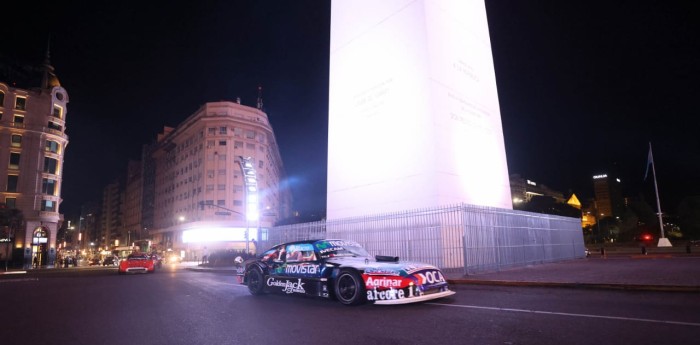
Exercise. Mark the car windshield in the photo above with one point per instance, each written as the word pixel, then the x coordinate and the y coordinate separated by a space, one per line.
pixel 336 248
pixel 137 257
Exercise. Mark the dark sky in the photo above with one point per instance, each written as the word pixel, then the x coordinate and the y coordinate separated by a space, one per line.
pixel 582 87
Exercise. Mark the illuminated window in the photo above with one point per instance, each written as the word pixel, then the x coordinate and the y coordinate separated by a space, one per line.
pixel 12 183
pixel 48 186
pixel 50 165
pixel 48 205
pixel 16 140
pixel 20 103
pixel 52 146
pixel 14 160
pixel 57 112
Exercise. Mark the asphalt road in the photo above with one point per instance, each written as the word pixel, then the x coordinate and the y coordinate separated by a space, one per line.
pixel 177 306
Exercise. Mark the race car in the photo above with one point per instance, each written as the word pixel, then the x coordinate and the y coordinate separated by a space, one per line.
pixel 137 263
pixel 342 270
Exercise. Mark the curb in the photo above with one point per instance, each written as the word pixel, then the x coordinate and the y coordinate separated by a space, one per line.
pixel 599 286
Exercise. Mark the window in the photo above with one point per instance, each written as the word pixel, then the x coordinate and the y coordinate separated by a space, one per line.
pixel 53 125
pixel 237 189
pixel 52 146
pixel 211 131
pixel 50 165
pixel 2 98
pixel 57 112
pixel 221 187
pixel 14 160
pixel 222 142
pixel 210 143
pixel 237 144
pixel 11 203
pixel 221 202
pixel 20 103
pixel 237 132
pixel 237 203
pixel 222 172
pixel 18 119
pixel 48 186
pixel 12 183
pixel 222 130
pixel 48 205
pixel 250 146
pixel 210 173
pixel 260 164
pixel 250 134
pixel 16 140
pixel 210 187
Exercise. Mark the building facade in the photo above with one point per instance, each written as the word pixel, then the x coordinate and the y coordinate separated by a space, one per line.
pixel 32 146
pixel 608 196
pixel 201 198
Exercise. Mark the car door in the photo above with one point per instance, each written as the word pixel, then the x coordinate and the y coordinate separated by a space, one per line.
pixel 298 272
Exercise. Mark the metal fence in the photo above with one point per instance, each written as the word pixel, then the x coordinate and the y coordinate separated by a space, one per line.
pixel 460 238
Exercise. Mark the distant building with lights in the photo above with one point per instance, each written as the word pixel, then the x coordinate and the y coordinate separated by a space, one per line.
pixel 215 175
pixel 33 109
pixel 523 190
pixel 608 196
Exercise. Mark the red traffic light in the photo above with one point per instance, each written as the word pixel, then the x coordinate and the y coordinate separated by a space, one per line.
pixel 646 237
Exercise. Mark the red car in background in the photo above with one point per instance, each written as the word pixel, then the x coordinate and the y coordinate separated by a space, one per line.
pixel 137 263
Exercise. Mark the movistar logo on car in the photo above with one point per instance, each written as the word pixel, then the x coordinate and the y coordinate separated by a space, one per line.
pixel 287 285
pixel 301 269
pixel 328 244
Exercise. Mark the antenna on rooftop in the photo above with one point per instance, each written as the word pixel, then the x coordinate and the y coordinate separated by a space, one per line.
pixel 260 101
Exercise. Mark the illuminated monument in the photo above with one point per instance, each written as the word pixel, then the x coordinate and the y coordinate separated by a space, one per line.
pixel 414 119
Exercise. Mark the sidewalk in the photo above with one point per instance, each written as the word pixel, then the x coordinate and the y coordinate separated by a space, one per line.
pixel 628 271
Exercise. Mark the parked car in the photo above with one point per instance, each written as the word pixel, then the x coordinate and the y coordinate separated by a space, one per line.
pixel 94 262
pixel 137 263
pixel 110 261
pixel 342 270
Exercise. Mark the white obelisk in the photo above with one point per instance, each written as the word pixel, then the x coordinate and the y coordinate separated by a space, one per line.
pixel 414 119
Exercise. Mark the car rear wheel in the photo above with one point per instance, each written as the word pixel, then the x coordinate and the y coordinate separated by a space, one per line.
pixel 255 281
pixel 350 288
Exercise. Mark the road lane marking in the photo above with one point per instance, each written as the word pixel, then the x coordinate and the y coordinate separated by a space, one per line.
pixel 18 280
pixel 569 314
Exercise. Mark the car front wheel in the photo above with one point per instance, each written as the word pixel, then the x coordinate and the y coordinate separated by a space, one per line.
pixel 255 281
pixel 350 288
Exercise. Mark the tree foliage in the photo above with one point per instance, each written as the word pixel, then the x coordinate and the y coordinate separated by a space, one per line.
pixel 689 217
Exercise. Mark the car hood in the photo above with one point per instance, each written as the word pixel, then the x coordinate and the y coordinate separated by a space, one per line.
pixel 372 266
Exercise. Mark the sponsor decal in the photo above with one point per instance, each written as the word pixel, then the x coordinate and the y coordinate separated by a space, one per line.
pixel 381 271
pixel 327 244
pixel 430 278
pixel 302 269
pixel 287 286
pixel 376 295
pixel 383 282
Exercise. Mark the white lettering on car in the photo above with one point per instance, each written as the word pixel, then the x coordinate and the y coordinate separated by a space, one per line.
pixel 431 277
pixel 382 282
pixel 302 269
pixel 287 285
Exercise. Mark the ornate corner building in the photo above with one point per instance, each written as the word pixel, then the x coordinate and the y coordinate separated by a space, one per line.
pixel 33 108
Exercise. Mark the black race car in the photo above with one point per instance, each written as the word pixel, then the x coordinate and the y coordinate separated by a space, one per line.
pixel 342 270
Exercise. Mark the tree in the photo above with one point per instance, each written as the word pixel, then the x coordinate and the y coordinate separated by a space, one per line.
pixel 689 217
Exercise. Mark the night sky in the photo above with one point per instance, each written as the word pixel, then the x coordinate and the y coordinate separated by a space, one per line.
pixel 582 87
